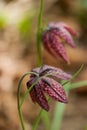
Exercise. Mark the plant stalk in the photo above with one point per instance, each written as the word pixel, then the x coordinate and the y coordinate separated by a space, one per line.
pixel 39 55
pixel 18 98
pixel 18 101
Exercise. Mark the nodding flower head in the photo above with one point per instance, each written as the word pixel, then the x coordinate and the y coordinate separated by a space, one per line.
pixel 47 83
pixel 55 36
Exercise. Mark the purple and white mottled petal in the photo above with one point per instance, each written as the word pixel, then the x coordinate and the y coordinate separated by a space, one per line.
pixel 40 98
pixel 54 37
pixel 64 32
pixel 32 93
pixel 37 95
pixel 36 70
pixel 53 25
pixel 68 28
pixel 54 89
pixel 46 42
pixel 65 35
pixel 74 33
pixel 62 24
pixel 58 47
pixel 56 72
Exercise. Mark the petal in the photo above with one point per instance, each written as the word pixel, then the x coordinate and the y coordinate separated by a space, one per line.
pixel 37 95
pixel 63 25
pixel 46 43
pixel 54 89
pixel 40 98
pixel 36 70
pixel 68 28
pixel 65 35
pixel 58 47
pixel 63 31
pixel 53 45
pixel 56 72
pixel 32 93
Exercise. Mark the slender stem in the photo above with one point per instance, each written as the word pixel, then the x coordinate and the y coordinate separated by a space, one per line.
pixel 18 98
pixel 39 62
pixel 18 101
pixel 75 75
pixel 37 120
pixel 45 117
pixel 27 92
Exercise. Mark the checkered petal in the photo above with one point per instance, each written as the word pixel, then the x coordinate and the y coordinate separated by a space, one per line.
pixel 68 28
pixel 65 35
pixel 40 98
pixel 54 89
pixel 32 92
pixel 55 72
pixel 37 95
pixel 46 83
pixel 57 46
pixel 55 36
pixel 47 44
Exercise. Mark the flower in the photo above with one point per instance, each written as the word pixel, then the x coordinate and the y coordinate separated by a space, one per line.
pixel 47 84
pixel 55 36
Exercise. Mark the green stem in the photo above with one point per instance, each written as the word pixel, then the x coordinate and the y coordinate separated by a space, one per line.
pixel 18 101
pixel 27 93
pixel 37 120
pixel 75 75
pixel 39 58
pixel 18 98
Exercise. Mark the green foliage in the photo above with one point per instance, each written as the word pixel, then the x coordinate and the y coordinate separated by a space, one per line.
pixel 83 4
pixel 82 14
pixel 3 21
pixel 25 25
pixel 83 19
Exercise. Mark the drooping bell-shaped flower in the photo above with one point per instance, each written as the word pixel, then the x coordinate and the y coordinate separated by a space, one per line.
pixel 55 36
pixel 47 84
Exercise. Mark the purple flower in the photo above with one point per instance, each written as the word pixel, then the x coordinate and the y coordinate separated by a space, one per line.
pixel 55 36
pixel 47 84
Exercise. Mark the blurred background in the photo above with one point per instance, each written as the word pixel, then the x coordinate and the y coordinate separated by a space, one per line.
pixel 18 27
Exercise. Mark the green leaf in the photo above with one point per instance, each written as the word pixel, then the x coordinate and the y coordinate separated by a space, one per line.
pixel 78 84
pixel 58 116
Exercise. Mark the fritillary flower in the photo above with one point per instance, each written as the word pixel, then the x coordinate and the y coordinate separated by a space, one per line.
pixel 47 84
pixel 55 36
